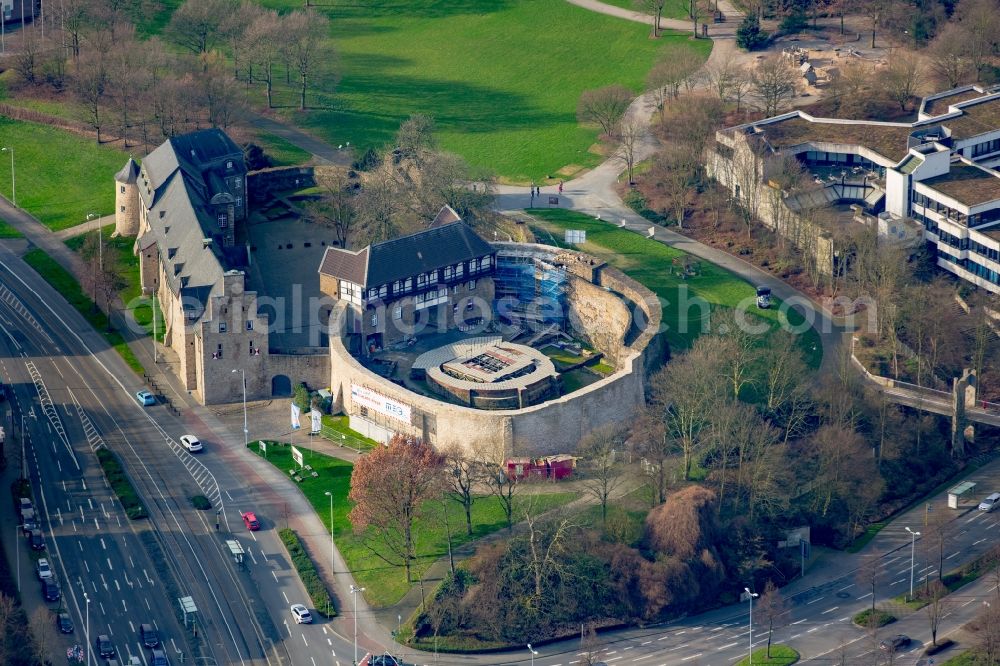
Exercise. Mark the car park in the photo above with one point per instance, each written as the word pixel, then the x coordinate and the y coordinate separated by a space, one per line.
pixel 148 636
pixel 158 658
pixel 50 589
pixel 44 571
pixel 145 398
pixel 35 540
pixel 894 642
pixel 301 614
pixel 250 520
pixel 104 646
pixel 990 502
pixel 191 443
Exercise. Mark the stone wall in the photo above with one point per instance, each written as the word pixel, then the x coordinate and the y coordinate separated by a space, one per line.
pixel 261 184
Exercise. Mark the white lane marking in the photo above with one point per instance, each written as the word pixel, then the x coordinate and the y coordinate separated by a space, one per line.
pixel 815 600
pixel 799 621
pixel 304 639
pixel 646 643
pixel 103 545
pixel 809 631
pixel 957 552
pixel 285 596
pixel 694 656
pixel 862 597
pixel 829 610
pixel 110 568
pixel 726 647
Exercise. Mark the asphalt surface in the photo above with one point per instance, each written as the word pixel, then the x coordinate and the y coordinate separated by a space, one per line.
pixel 47 349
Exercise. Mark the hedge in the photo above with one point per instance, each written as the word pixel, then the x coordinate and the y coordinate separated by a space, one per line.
pixel 121 485
pixel 320 596
pixel 201 502
pixel 882 618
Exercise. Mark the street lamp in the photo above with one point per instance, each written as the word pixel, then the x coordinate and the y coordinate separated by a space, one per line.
pixel 750 596
pixel 89 646
pixel 246 431
pixel 354 591
pixel 330 495
pixel 913 546
pixel 100 241
pixel 533 654
pixel 13 180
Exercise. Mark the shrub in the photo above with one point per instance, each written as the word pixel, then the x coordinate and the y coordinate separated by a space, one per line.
pixel 318 594
pixel 201 503
pixel 881 618
pixel 749 36
pixel 121 484
pixel 794 22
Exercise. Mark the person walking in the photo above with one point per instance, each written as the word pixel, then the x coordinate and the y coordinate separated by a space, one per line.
pixel 560 187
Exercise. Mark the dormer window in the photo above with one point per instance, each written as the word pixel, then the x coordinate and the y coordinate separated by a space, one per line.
pixel 229 164
pixel 163 214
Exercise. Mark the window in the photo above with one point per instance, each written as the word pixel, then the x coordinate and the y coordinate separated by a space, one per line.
pixel 383 291
pixel 123 189
pixel 223 220
pixel 222 327
pixel 123 209
pixel 374 319
pixel 229 165
pixel 484 263
pixel 218 353
pixel 397 312
pixel 397 286
pixel 472 285
pixel 239 201
pixel 249 325
pixel 422 280
pixel 459 270
pixel 449 272
pixel 408 284
pixel 163 214
pixel 372 293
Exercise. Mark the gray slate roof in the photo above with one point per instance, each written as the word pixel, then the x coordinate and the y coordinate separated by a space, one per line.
pixel 385 262
pixel 176 180
pixel 129 172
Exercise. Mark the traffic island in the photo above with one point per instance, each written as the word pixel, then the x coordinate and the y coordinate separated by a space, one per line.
pixel 121 484
pixel 781 655
pixel 318 593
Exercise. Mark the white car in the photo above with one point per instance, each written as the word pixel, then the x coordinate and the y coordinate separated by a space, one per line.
pixel 301 614
pixel 191 443
pixel 991 502
pixel 43 569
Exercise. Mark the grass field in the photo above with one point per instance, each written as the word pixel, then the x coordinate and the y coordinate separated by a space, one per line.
pixel 500 77
pixel 7 231
pixel 781 655
pixel 66 284
pixel 385 584
pixel 61 177
pixel 649 262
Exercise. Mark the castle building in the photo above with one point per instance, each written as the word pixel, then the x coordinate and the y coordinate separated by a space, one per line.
pixel 183 205
pixel 433 280
pixel 934 179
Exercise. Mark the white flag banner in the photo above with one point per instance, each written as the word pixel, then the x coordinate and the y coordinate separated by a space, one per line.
pixel 295 417
pixel 317 421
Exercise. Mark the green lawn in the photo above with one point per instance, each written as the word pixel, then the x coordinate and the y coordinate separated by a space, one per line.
pixel 131 296
pixel 500 77
pixel 385 584
pixel 7 231
pixel 649 262
pixel 781 655
pixel 337 429
pixel 281 152
pixel 61 177
pixel 66 284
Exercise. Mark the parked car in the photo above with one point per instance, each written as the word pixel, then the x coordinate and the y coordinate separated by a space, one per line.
pixel 250 520
pixel 145 398
pixel 35 540
pixel 990 502
pixel 894 642
pixel 301 614
pixel 64 623
pixel 44 571
pixel 50 589
pixel 383 659
pixel 148 636
pixel 158 658
pixel 28 521
pixel 104 646
pixel 191 443
pixel 24 504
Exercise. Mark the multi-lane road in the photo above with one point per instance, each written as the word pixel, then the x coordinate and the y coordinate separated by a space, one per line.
pixel 77 395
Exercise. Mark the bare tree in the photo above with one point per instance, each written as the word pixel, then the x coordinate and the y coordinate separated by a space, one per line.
pixel 935 607
pixel 771 609
pixel 948 57
pixel 730 80
pixel 655 8
pixel 869 574
pixel 602 466
pixel 264 39
pixel 673 176
pixel 773 82
pixel 876 11
pixel 307 33
pixel 415 138
pixel 463 473
pixel 980 22
pixel 45 641
pixel 335 208
pixel 902 78
pixel 630 134
pixel 696 9
pixel 547 541
pixel 604 107
pixel 504 487
pixel 676 63
pixel 90 84
pixel 196 25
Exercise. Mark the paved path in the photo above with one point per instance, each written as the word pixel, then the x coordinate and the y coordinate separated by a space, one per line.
pixel 84 227
pixel 322 151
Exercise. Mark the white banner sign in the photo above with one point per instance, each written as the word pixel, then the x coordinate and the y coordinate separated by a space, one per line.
pixel 262 446
pixel 297 456
pixel 386 406
pixel 316 419
pixel 295 417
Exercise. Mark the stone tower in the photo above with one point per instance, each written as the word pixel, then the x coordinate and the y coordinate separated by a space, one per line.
pixel 127 200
